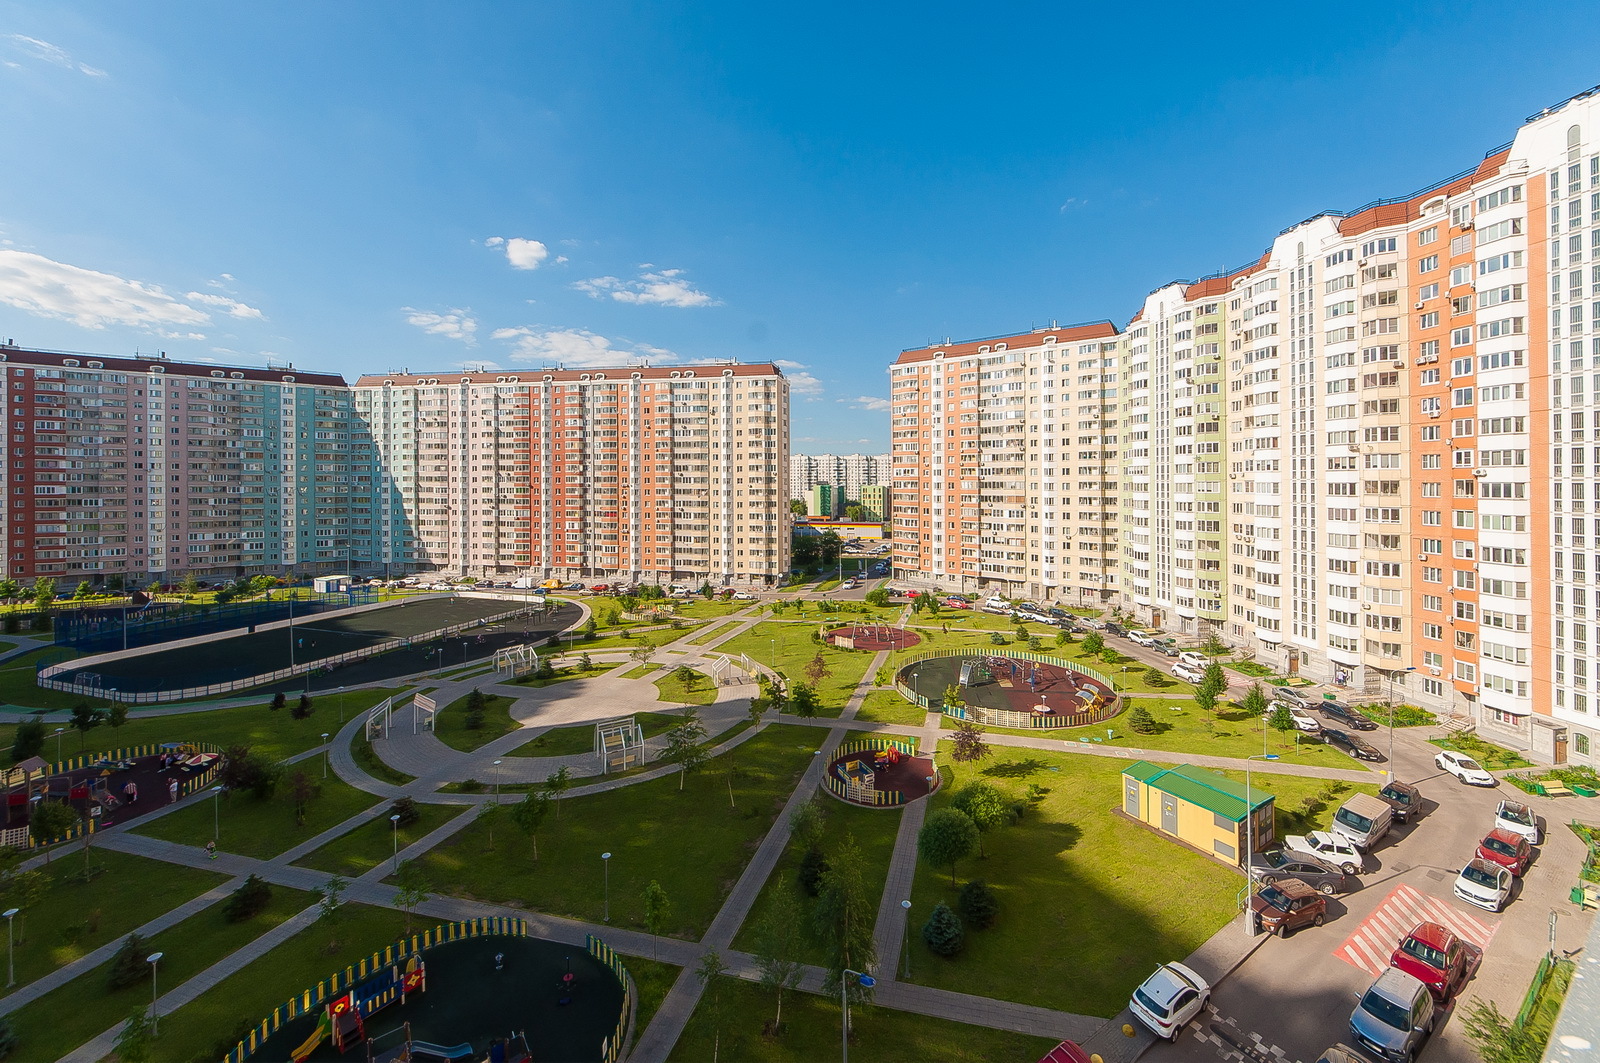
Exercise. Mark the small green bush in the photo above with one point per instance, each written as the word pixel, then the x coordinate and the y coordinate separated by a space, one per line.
pixel 943 932
pixel 129 965
pixel 248 901
pixel 1140 721
pixel 978 904
pixel 407 810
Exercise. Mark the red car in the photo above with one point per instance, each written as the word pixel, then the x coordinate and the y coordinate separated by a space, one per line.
pixel 1438 959
pixel 600 588
pixel 1065 1052
pixel 956 603
pixel 1510 851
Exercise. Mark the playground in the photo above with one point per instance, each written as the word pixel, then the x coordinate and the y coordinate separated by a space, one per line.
pixel 462 997
pixel 873 637
pixel 881 773
pixel 260 653
pixel 1042 688
pixel 107 790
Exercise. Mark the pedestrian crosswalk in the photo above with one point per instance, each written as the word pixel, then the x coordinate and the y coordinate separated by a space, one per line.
pixel 1375 939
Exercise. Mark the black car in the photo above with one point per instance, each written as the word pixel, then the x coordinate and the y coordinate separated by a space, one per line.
pixel 1114 629
pixel 1270 865
pixel 1359 748
pixel 1338 710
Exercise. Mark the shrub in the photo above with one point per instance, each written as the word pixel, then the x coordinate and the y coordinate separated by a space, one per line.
pixel 407 810
pixel 978 904
pixel 248 901
pixel 13 625
pixel 279 700
pixel 943 932
pixel 8 1038
pixel 996 638
pixel 302 708
pixel 1140 721
pixel 128 967
pixel 477 703
pixel 813 865
pixel 471 786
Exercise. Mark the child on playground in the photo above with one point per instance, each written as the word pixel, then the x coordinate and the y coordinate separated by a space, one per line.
pixel 211 849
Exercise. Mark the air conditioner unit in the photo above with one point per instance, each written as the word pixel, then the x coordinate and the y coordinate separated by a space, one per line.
pixel 1366 607
pixel 1422 557
pixel 1434 669
pixel 1399 363
pixel 1417 307
pixel 1480 472
pixel 1434 414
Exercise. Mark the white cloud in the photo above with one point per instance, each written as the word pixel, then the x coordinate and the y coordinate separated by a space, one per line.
pixel 802 383
pixel 577 348
pixel 666 287
pixel 91 299
pixel 869 402
pixel 232 307
pixel 49 53
pixel 521 253
pixel 456 324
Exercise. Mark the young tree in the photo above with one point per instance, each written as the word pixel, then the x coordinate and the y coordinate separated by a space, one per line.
pixel 1063 637
pixel 585 663
pixel 1214 646
pixel 1496 1037
pixel 556 784
pixel 50 820
pixel 779 941
pixel 1140 721
pixel 302 708
pixel 817 669
pixel 685 745
pixel 1215 678
pixel 44 592
pixel 1094 644
pixel 190 586
pixel 1254 701
pixel 84 720
pixel 685 676
pixel 643 652
pixel 947 837
pixel 977 904
pixel 24 889
pixel 10 590
pixel 135 1042
pixel 477 704
pixel 1206 702
pixel 943 933
pixel 710 972
pixel 303 790
pixel 406 808
pixel 248 901
pixel 29 739
pixel 1282 721
pixel 529 814
pixel 1154 676
pixel 489 814
pixel 279 700
pixel 127 965
pixel 411 889
pixel 803 700
pixel 877 597
pixel 969 746
pixel 844 915
pixel 330 908
pixel 985 806
pixel 117 715
pixel 657 910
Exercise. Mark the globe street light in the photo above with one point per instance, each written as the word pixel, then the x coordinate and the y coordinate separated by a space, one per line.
pixel 153 959
pixel 497 783
pixel 11 948
pixel 59 732
pixel 1389 767
pixel 216 817
pixel 325 754
pixel 1249 842
pixel 906 905
pixel 394 821
pixel 867 982
pixel 605 866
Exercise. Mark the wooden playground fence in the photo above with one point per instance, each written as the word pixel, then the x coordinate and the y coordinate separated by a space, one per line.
pixel 308 1001
pixel 611 1048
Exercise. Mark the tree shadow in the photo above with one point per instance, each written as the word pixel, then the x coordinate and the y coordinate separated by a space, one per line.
pixel 1015 769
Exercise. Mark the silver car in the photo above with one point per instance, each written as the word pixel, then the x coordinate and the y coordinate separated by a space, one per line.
pixel 1393 1016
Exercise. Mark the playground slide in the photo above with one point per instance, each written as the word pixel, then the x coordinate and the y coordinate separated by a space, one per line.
pixel 422 1050
pixel 309 1045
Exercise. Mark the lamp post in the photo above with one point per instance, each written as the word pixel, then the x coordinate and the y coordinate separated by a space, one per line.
pixel 1389 767
pixel 867 982
pixel 906 906
pixel 59 732
pixel 1249 842
pixel 325 754
pixel 216 816
pixel 153 959
pixel 605 867
pixel 497 783
pixel 11 948
pixel 341 706
pixel 394 822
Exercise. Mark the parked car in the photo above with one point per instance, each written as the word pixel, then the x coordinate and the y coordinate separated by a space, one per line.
pixel 1286 906
pixel 998 606
pixel 1111 628
pixel 1170 998
pixel 1393 1016
pixel 1356 747
pixel 1363 820
pixel 1144 638
pixel 1297 714
pixel 1186 673
pixel 1330 848
pixel 955 602
pixel 1341 1053
pixel 743 596
pixel 1485 884
pixel 1518 818
pixel 1338 710
pixel 1194 660
pixel 1403 798
pixel 1510 851
pixel 1059 614
pixel 1166 649
pixel 1438 958
pixel 1276 863
pixel 1464 768
pixel 1066 1052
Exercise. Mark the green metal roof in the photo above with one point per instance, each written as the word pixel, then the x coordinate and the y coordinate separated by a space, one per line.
pixel 1200 786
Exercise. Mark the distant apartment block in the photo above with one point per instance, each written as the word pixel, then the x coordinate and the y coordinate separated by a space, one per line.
pixel 848 472
pixel 824 500
pixel 874 500
pixel 1361 457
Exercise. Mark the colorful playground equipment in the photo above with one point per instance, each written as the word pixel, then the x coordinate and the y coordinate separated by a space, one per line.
pixel 879 773
pixel 344 1017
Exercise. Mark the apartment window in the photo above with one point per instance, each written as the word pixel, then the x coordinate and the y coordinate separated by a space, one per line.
pixel 1428 264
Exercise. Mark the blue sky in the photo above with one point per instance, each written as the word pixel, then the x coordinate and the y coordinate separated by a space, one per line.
pixel 363 186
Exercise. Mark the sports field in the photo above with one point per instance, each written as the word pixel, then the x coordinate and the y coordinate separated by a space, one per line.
pixel 242 656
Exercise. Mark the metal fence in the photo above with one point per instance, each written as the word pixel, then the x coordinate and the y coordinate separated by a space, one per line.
pixel 1009 717
pixel 97 629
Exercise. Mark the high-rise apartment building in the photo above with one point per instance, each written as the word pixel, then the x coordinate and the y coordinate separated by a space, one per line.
pixel 1364 457
pixel 847 472
pixel 141 470
pixel 641 474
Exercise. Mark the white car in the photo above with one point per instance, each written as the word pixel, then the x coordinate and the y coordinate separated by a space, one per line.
pixel 1330 849
pixel 743 596
pixel 1194 660
pixel 1486 884
pixel 1188 673
pixel 1144 638
pixel 1301 720
pixel 1518 818
pixel 1464 768
pixel 1169 999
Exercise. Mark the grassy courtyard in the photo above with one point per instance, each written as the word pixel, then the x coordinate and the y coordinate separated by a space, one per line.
pixel 450 725
pixel 690 841
pixel 700 690
pixel 263 829
pixel 358 851
pixel 578 739
pixel 887 706
pixel 789 649
pixel 1086 898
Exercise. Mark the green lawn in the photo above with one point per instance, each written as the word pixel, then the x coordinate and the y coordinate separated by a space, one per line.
pixel 368 761
pixel 639 671
pixel 19 686
pixel 74 918
pixel 1300 804
pixel 700 609
pixel 788 647
pixel 652 979
pixel 450 725
pixel 563 674
pixel 886 706
pixel 571 741
pixel 811 1032
pixel 653 637
pixel 1234 733
pixel 359 851
pixel 261 829
pixel 209 1026
pixel 702 691
pixel 713 634
pixel 72 1014
pixel 1087 899
pixel 874 832
pixel 690 841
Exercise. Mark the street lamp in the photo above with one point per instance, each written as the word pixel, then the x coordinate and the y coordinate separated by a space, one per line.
pixel 1249 842
pixel 867 982
pixel 394 822
pixel 325 754
pixel 497 783
pixel 216 816
pixel 11 948
pixel 906 905
pixel 605 867
pixel 153 959
pixel 59 732
pixel 1389 767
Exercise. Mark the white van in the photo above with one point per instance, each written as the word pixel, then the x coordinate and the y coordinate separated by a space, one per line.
pixel 1363 819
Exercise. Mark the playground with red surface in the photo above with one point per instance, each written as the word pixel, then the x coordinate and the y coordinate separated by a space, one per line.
pixel 873 637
